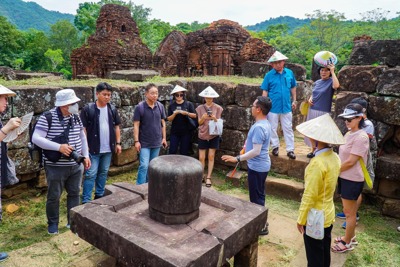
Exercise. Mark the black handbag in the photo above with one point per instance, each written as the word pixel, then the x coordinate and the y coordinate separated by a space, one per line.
pixel 193 123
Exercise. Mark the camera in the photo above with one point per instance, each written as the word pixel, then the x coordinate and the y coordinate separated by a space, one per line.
pixel 209 113
pixel 75 156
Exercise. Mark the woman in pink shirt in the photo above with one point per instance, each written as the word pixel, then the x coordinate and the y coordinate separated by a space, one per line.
pixel 351 178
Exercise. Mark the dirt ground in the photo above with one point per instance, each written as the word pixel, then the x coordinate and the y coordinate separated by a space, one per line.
pixel 282 247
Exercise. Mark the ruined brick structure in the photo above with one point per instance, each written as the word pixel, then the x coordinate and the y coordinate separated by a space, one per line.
pixel 220 49
pixel 116 45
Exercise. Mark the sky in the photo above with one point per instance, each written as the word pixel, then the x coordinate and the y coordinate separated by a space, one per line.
pixel 245 12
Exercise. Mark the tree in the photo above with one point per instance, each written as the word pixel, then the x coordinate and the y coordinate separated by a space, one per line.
pixel 64 36
pixel 86 17
pixel 10 40
pixel 157 30
pixel 35 44
pixel 55 57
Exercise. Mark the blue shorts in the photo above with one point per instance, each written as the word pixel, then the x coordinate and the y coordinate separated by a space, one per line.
pixel 349 190
pixel 212 143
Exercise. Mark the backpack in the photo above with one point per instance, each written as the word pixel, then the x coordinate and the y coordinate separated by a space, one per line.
pixel 141 108
pixel 36 152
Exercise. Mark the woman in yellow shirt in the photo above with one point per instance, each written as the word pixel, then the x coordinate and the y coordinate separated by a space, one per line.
pixel 320 179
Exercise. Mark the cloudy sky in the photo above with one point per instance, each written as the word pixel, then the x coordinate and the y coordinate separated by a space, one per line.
pixel 245 12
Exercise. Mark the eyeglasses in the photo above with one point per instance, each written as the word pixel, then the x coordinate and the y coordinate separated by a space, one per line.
pixel 349 119
pixel 178 95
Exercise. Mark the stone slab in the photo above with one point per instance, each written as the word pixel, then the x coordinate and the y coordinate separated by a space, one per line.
pixel 225 226
pixel 284 187
pixel 136 75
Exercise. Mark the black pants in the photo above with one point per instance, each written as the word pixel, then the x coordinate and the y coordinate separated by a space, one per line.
pixel 319 251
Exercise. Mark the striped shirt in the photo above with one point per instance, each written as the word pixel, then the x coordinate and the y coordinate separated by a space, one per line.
pixel 58 128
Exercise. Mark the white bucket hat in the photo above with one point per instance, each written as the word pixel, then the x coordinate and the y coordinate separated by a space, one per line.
pixel 209 92
pixel 276 57
pixel 322 129
pixel 178 89
pixel 65 97
pixel 350 113
pixel 5 91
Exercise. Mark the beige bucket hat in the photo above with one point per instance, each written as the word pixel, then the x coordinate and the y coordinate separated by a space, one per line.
pixel 209 92
pixel 277 56
pixel 5 91
pixel 322 129
pixel 178 89
pixel 65 97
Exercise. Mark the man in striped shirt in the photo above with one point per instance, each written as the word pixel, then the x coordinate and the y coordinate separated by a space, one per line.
pixel 65 172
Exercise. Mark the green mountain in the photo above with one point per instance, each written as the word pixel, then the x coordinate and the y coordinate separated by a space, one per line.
pixel 27 15
pixel 293 23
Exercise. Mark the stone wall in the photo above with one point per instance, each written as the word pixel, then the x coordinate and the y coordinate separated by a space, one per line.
pixel 374 73
pixel 235 99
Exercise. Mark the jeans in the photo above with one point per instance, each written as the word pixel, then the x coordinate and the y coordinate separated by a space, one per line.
pixel 183 141
pixel 145 156
pixel 318 251
pixel 97 174
pixel 257 186
pixel 58 178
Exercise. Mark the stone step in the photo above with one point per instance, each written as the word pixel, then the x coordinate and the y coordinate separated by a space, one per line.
pixel 282 164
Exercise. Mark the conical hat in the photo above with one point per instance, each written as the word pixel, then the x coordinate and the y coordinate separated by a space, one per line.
pixel 177 89
pixel 276 57
pixel 5 91
pixel 324 58
pixel 322 129
pixel 209 92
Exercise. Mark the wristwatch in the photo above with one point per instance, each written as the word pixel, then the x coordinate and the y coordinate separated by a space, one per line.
pixel 118 143
pixel 238 158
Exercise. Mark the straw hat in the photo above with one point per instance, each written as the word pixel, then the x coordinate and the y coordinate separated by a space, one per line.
pixel 177 89
pixel 5 91
pixel 65 97
pixel 209 92
pixel 322 129
pixel 276 57
pixel 324 58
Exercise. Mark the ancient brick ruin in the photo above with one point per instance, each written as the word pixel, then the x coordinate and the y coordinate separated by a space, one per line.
pixel 116 45
pixel 220 49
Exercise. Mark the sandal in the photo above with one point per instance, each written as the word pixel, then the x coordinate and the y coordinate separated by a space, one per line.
pixel 341 247
pixel 353 241
pixel 208 184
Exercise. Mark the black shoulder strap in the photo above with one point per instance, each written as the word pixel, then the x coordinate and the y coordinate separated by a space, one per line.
pixel 49 118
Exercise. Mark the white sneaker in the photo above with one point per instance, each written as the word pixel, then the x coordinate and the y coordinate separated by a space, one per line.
pixel 398 228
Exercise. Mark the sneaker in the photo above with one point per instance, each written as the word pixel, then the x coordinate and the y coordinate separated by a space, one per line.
pixel 344 225
pixel 68 226
pixel 398 228
pixel 341 215
pixel 275 151
pixel 291 155
pixel 52 229
pixel 264 231
pixel 3 256
pixel 310 155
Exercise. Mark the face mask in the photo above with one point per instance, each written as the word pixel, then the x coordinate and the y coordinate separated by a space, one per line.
pixel 74 108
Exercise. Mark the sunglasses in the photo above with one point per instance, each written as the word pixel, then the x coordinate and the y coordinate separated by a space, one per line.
pixel 349 119
pixel 178 95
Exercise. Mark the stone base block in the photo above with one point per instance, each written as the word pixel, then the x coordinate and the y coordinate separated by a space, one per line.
pixel 127 156
pixel 389 188
pixel 237 179
pixel 173 218
pixel 284 187
pixel 391 207
pixel 133 75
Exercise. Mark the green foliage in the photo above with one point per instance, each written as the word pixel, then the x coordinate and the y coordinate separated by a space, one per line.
pixel 35 44
pixel 187 28
pixel 157 30
pixel 55 57
pixel 66 73
pixel 63 35
pixel 10 40
pixel 26 15
pixel 18 63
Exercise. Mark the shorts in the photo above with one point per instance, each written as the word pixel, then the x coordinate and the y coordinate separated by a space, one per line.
pixel 212 143
pixel 349 190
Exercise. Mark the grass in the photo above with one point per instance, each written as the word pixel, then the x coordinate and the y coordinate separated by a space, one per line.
pixel 59 82
pixel 377 235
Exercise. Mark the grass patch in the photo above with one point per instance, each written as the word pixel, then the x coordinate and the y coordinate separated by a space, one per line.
pixel 60 82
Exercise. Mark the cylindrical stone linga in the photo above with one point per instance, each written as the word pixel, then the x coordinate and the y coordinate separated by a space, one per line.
pixel 174 189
